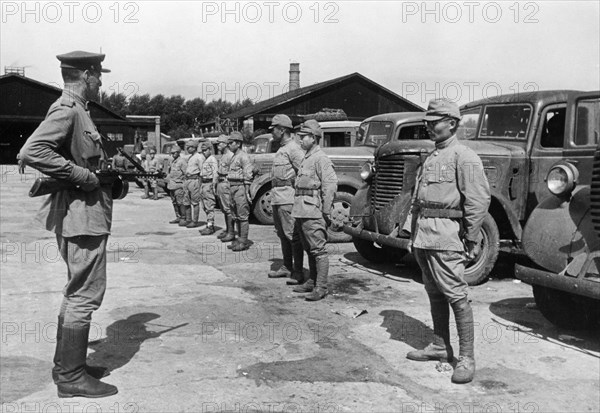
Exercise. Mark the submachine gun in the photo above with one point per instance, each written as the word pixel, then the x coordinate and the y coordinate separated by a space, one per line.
pixel 117 180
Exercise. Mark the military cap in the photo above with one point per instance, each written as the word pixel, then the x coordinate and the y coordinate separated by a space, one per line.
pixel 222 139
pixel 175 148
pixel 440 109
pixel 281 120
pixel 205 145
pixel 82 61
pixel 235 137
pixel 310 127
pixel 192 143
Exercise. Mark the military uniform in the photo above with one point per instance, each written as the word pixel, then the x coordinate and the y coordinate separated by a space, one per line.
pixel 191 186
pixel 286 164
pixel 151 165
pixel 208 176
pixel 240 178
pixel 120 163
pixel 450 202
pixel 223 191
pixel 175 180
pixel 316 185
pixel 67 146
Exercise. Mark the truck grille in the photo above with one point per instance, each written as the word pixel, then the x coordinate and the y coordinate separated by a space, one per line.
pixel 595 193
pixel 388 180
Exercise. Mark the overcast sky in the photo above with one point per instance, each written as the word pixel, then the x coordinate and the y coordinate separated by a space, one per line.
pixel 463 50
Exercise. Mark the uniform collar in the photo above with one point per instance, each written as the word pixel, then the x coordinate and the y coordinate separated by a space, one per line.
pixel 69 97
pixel 285 141
pixel 312 150
pixel 448 142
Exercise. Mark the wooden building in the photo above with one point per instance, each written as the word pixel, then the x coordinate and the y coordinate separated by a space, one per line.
pixel 24 105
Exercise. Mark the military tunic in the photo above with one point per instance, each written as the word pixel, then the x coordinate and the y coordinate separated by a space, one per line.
pixel 223 191
pixel 191 184
pixel 208 176
pixel 64 143
pixel 451 181
pixel 239 177
pixel 176 178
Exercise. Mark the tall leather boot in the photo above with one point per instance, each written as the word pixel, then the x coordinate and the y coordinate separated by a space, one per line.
pixel 321 288
pixel 298 266
pixel 286 269
pixel 183 216
pixel 177 216
pixel 235 240
pixel 465 367
pixel 195 216
pixel 224 233
pixel 244 243
pixel 440 349
pixel 96 372
pixel 230 236
pixel 72 379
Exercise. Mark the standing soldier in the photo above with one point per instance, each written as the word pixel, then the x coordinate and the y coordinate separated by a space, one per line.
pixel 151 165
pixel 286 164
pixel 66 145
pixel 119 162
pixel 191 185
pixel 223 192
pixel 240 178
pixel 208 177
pixel 175 181
pixel 316 184
pixel 450 202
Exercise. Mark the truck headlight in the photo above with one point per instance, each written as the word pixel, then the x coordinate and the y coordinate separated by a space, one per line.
pixel 562 178
pixel 367 171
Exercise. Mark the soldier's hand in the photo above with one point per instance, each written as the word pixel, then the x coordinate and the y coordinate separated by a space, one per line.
pixel 21 167
pixel 472 249
pixel 327 219
pixel 409 247
pixel 248 196
pixel 91 183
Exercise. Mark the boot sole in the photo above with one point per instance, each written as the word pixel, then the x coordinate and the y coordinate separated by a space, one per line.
pixel 90 396
pixel 442 359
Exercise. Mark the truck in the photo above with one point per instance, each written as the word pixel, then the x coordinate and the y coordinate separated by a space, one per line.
pixel 562 235
pixel 346 160
pixel 519 137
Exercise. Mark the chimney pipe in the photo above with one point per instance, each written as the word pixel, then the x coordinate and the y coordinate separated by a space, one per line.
pixel 294 76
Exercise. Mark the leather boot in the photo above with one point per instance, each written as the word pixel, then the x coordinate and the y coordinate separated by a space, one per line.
pixel 440 349
pixel 230 236
pixel 209 230
pixel 282 272
pixel 96 372
pixel 187 214
pixel 297 278
pixel 224 233
pixel 177 216
pixel 321 287
pixel 465 367
pixel 235 240
pixel 307 287
pixel 244 243
pixel 195 211
pixel 72 379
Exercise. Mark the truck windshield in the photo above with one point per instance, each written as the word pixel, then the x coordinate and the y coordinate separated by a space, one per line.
pixel 261 145
pixel 374 133
pixel 505 121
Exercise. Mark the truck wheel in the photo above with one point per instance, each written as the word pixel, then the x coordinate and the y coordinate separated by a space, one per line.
pixel 566 310
pixel 340 215
pixel 262 210
pixel 478 270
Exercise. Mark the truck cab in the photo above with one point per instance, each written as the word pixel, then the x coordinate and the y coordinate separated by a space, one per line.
pixel 519 137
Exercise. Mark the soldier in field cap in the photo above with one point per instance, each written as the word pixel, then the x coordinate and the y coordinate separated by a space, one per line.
pixel 223 191
pixel 450 202
pixel 67 146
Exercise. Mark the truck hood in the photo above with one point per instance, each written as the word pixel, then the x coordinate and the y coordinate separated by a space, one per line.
pixel 365 152
pixel 506 149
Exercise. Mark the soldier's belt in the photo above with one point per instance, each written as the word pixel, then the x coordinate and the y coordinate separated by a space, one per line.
pixel 235 182
pixel 440 213
pixel 307 192
pixel 282 182
pixel 192 176
pixel 223 178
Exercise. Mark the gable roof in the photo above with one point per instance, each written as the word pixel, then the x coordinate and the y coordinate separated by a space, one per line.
pixel 307 90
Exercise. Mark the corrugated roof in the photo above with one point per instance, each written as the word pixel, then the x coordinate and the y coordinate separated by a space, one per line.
pixel 306 90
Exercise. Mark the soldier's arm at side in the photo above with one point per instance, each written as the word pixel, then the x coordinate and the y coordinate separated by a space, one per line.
pixel 296 156
pixel 474 187
pixel 328 183
pixel 246 164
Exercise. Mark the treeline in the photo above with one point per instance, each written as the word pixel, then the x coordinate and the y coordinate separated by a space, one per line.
pixel 178 117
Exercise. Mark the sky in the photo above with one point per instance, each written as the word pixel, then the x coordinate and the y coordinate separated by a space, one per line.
pixel 461 50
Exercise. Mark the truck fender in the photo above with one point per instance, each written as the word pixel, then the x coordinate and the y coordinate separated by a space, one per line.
pixel 513 219
pixel 259 182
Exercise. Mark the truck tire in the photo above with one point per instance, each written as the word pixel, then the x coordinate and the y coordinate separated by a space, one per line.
pixel 478 270
pixel 262 210
pixel 566 310
pixel 340 215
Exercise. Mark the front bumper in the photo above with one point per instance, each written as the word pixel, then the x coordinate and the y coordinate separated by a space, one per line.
pixel 584 283
pixel 381 239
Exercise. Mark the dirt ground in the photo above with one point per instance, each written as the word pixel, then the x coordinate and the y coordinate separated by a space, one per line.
pixel 187 325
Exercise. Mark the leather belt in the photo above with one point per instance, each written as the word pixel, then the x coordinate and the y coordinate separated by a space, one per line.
pixel 223 179
pixel 440 213
pixel 307 192
pixel 192 176
pixel 282 182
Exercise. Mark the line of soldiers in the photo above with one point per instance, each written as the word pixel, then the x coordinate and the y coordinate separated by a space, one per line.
pixel 197 178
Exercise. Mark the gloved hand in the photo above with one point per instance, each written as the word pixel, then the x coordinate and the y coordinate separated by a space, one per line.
pixel 92 183
pixel 472 249
pixel 327 219
pixel 84 178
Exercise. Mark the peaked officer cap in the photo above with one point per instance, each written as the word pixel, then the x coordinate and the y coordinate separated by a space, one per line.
pixel 82 61
pixel 440 109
